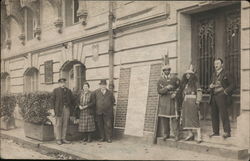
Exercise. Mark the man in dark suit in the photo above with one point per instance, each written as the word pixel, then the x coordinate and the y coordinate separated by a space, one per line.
pixel 63 107
pixel 104 102
pixel 222 87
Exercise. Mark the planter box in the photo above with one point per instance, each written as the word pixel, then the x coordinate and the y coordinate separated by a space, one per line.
pixel 39 132
pixel 72 132
pixel 7 125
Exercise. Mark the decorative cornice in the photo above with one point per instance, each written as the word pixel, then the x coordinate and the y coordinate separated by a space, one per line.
pixel 22 38
pixel 59 24
pixel 57 6
pixel 82 12
pixel 101 33
pixel 13 9
pixel 34 6
pixel 37 33
pixel 8 43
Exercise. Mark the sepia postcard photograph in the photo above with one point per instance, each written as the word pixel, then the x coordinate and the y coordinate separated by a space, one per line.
pixel 125 80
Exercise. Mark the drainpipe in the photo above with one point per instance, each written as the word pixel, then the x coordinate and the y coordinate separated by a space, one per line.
pixel 111 47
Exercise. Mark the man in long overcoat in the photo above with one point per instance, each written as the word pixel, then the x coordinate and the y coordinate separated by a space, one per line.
pixel 104 102
pixel 167 88
pixel 63 106
pixel 222 87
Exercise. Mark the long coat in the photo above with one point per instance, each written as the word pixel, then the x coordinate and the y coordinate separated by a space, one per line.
pixel 89 101
pixel 166 103
pixel 104 102
pixel 86 118
pixel 227 82
pixel 189 95
pixel 61 97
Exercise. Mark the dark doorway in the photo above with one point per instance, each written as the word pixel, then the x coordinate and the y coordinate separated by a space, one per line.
pixel 216 33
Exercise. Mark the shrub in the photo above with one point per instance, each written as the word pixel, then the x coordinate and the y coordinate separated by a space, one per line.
pixel 76 95
pixel 8 103
pixel 34 107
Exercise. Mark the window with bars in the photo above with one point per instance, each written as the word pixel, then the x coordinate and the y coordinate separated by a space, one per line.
pixel 206 51
pixel 217 35
pixel 232 55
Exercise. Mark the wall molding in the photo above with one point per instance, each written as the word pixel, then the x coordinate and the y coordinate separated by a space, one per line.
pixel 101 33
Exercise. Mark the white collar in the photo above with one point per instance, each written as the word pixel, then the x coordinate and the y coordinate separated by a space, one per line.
pixel 218 72
pixel 166 76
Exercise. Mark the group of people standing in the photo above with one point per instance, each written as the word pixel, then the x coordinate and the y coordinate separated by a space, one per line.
pixel 180 99
pixel 177 98
pixel 92 106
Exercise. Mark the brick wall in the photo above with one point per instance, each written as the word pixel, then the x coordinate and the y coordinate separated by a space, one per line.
pixel 122 99
pixel 152 101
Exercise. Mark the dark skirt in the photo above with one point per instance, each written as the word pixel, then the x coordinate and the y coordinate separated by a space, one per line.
pixel 86 121
pixel 190 115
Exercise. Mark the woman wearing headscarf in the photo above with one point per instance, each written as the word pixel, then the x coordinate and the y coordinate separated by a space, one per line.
pixel 86 118
pixel 191 97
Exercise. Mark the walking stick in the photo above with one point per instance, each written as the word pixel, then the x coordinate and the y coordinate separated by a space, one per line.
pixel 156 121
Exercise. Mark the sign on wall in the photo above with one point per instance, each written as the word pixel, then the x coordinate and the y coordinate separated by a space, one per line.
pixel 48 71
pixel 137 101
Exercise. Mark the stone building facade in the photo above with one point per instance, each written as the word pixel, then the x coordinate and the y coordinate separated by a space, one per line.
pixel 43 40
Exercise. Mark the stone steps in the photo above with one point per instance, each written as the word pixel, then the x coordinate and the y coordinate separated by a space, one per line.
pixel 228 151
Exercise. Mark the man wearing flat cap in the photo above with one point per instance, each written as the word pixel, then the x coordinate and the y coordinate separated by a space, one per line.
pixel 104 102
pixel 63 107
pixel 167 88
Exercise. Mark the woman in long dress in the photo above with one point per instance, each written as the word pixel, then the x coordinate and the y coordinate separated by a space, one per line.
pixel 191 94
pixel 86 118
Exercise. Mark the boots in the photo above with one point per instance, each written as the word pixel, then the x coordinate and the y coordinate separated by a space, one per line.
pixel 190 136
pixel 199 140
pixel 89 137
pixel 85 137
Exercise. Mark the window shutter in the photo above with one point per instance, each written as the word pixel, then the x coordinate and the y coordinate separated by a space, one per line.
pixel 78 76
pixel 48 72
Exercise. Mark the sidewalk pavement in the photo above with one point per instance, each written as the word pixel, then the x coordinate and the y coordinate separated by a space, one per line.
pixel 119 149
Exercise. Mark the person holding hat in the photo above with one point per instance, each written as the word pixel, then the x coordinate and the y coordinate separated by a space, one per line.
pixel 62 99
pixel 167 87
pixel 104 102
pixel 191 96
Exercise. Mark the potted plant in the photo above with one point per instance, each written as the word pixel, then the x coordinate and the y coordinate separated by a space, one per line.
pixel 8 103
pixel 34 108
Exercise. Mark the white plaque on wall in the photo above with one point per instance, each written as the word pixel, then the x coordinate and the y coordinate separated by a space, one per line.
pixel 137 100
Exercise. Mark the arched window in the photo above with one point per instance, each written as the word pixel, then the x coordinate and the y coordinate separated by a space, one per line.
pixel 70 12
pixel 31 80
pixel 5 83
pixel 74 72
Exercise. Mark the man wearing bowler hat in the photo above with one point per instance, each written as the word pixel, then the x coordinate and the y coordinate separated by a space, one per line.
pixel 104 102
pixel 63 106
